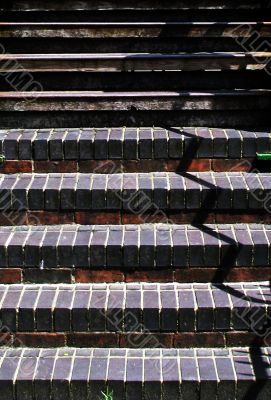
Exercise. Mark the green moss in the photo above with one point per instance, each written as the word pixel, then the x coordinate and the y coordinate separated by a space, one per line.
pixel 264 156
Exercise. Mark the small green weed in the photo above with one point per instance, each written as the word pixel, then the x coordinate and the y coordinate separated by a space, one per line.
pixel 108 395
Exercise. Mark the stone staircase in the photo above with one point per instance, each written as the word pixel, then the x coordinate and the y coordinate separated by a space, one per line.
pixel 135 225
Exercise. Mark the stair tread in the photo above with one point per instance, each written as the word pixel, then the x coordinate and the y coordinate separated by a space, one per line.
pixel 156 307
pixel 132 143
pixel 148 15
pixel 146 372
pixel 133 246
pixel 118 191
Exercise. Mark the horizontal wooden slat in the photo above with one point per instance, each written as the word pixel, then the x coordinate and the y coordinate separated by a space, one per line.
pixel 125 101
pixel 136 29
pixel 130 62
pixel 130 4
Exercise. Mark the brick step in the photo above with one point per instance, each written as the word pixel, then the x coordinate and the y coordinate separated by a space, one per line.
pixel 135 307
pixel 133 246
pixel 136 193
pixel 69 5
pixel 117 62
pixel 132 144
pixel 235 373
pixel 40 109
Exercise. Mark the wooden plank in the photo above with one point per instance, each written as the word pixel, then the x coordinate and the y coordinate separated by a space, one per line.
pixel 21 5
pixel 132 62
pixel 144 101
pixel 133 30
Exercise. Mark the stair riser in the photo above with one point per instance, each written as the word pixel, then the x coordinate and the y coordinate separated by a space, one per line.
pixel 10 64
pixel 191 275
pixel 129 4
pixel 124 45
pixel 154 30
pixel 139 81
pixel 118 15
pixel 150 165
pixel 255 119
pixel 12 217
pixel 182 340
